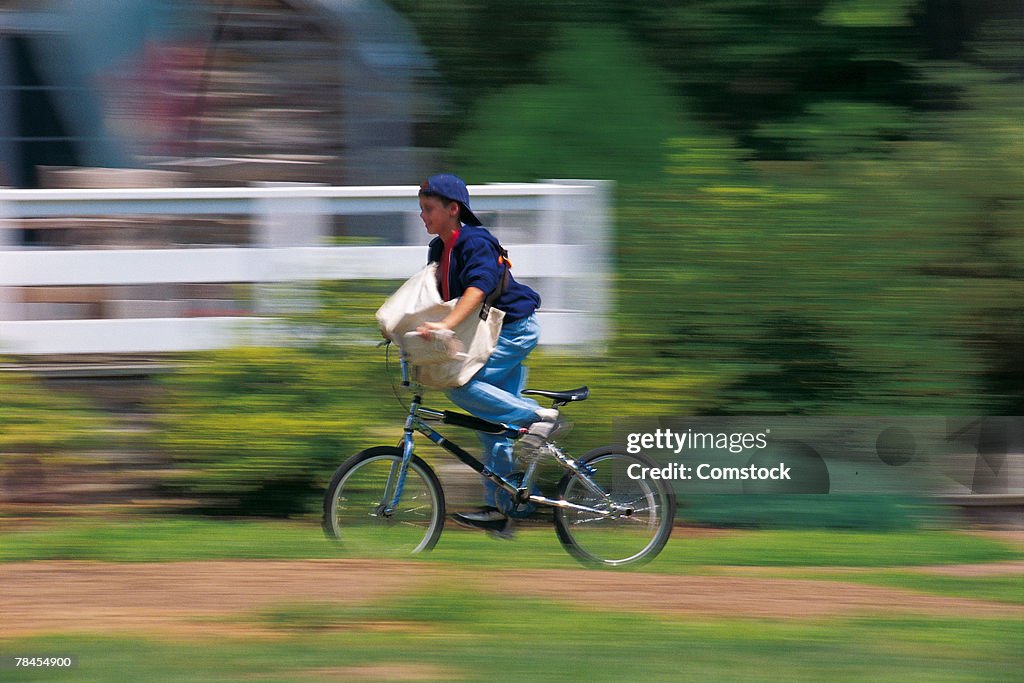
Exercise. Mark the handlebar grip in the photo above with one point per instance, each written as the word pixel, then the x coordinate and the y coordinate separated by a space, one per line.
pixel 461 420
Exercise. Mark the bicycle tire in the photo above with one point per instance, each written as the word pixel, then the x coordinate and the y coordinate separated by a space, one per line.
pixel 621 540
pixel 354 497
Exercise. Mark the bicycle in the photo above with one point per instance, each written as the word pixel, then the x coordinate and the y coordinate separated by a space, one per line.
pixel 387 499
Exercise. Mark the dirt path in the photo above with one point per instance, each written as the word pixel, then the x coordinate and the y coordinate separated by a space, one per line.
pixel 199 598
pixel 1009 568
pixel 742 596
pixel 994 569
pixel 97 597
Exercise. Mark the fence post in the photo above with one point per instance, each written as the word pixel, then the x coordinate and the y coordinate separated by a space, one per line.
pixel 582 220
pixel 552 229
pixel 9 300
pixel 412 229
pixel 280 222
pixel 594 230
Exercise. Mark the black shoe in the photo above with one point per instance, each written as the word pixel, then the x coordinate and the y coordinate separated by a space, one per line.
pixel 488 519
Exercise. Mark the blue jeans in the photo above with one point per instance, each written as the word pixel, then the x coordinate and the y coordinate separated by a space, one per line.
pixel 493 394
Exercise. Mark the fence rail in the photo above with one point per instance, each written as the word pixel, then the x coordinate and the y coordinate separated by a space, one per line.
pixel 562 252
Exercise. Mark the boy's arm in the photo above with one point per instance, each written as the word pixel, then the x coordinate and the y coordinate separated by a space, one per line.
pixel 468 303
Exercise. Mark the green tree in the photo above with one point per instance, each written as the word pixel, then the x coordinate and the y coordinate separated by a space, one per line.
pixel 748 63
pixel 480 47
pixel 601 111
pixel 849 167
pixel 260 430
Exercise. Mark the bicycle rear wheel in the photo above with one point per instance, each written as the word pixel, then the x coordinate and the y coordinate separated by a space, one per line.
pixel 639 517
pixel 355 505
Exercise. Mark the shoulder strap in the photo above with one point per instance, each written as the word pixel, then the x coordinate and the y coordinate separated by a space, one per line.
pixel 434 250
pixel 485 310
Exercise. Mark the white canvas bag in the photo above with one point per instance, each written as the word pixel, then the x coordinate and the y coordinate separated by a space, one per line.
pixel 438 365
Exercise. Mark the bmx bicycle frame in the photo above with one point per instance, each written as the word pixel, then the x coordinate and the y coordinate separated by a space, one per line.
pixel 416 421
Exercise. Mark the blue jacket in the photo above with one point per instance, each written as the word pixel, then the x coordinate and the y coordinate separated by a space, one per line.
pixel 475 264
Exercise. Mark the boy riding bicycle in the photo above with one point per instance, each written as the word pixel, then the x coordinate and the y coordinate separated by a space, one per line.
pixel 469 269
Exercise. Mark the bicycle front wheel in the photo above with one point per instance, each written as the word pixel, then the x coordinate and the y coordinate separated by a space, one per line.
pixel 630 519
pixel 357 506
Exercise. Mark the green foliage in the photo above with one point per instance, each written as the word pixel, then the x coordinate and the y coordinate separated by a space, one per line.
pixel 811 219
pixel 36 420
pixel 479 48
pixel 259 431
pixel 749 65
pixel 868 13
pixel 831 129
pixel 601 112
pixel 876 275
pixel 885 278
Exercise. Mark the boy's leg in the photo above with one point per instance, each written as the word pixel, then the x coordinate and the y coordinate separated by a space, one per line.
pixel 493 394
pixel 497 452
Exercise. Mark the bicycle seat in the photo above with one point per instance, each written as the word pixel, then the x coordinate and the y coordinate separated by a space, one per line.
pixel 560 397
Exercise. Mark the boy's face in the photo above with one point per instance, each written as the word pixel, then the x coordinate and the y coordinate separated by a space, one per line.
pixel 438 218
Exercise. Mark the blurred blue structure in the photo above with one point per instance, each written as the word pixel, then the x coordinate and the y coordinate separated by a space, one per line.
pixel 52 113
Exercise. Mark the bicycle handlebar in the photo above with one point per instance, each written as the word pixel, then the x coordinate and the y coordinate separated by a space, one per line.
pixel 444 344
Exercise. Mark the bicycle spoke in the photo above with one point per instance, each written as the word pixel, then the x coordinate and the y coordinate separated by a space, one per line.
pixel 617 538
pixel 353 511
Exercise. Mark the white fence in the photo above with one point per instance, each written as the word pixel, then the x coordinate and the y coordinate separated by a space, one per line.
pixel 560 248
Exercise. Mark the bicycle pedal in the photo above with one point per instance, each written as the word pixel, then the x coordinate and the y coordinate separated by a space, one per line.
pixel 506 534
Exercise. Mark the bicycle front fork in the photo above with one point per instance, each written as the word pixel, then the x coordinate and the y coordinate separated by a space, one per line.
pixel 398 471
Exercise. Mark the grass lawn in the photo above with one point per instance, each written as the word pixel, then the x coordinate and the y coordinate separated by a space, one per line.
pixel 135 539
pixel 463 632
pixel 456 635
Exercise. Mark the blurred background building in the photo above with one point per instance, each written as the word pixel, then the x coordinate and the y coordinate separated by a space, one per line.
pixel 151 94
pixel 223 92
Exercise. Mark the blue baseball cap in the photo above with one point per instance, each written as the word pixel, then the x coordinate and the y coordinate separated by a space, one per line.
pixel 454 188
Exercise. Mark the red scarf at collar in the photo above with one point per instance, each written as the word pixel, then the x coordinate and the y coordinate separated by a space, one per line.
pixel 445 264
